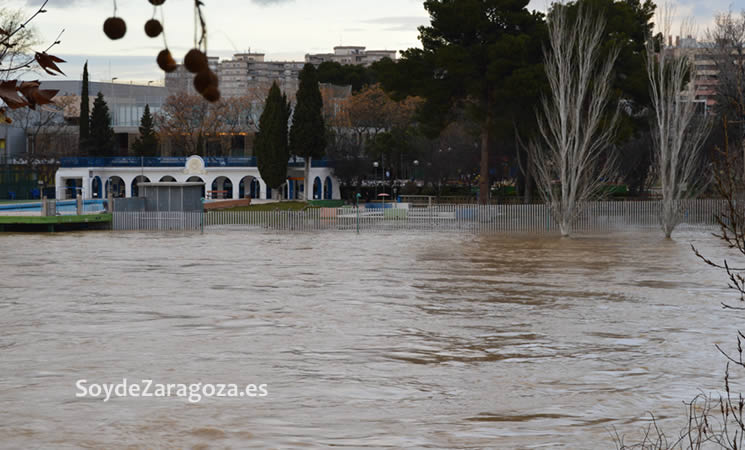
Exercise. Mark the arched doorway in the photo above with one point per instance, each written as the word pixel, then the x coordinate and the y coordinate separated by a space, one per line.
pixel 328 189
pixel 196 179
pixel 317 189
pixel 249 187
pixel 138 179
pixel 222 188
pixel 116 186
pixel 255 188
pixel 167 179
pixel 73 186
pixel 96 187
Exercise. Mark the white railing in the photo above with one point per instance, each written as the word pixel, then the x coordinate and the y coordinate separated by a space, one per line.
pixel 158 221
pixel 536 218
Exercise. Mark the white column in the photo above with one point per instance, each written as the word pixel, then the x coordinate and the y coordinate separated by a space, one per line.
pixel 127 185
pixel 86 185
pixel 336 190
pixel 237 188
pixel 262 185
pixel 208 179
pixel 58 186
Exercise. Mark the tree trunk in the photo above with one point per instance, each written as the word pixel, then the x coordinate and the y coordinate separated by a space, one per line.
pixel 484 175
pixel 306 180
pixel 528 181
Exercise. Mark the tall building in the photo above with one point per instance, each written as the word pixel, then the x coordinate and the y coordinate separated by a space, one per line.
pixel 181 80
pixel 354 55
pixel 706 73
pixel 242 75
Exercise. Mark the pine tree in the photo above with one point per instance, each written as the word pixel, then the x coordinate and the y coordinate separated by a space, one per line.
pixel 308 132
pixel 84 113
pixel 146 143
pixel 271 147
pixel 101 133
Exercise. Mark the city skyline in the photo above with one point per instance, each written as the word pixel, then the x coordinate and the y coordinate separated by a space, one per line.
pixel 238 26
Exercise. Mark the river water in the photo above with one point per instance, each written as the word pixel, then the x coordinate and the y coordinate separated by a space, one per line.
pixel 376 340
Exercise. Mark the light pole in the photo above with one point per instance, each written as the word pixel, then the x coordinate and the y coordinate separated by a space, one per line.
pixel 110 101
pixel 416 165
pixel 375 164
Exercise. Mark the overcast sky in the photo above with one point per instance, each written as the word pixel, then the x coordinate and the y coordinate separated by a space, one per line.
pixel 283 29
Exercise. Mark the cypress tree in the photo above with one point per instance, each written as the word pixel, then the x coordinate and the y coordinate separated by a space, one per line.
pixel 84 123
pixel 101 133
pixel 308 132
pixel 271 147
pixel 146 143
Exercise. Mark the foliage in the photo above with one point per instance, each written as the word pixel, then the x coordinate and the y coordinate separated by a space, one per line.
pixel 307 135
pixel 479 55
pixel 308 132
pixel 101 142
pixel 85 117
pixel 372 126
pixel 727 51
pixel 271 146
pixel 678 133
pixel 186 123
pixel 17 37
pixel 146 143
pixel 346 75
pixel 570 159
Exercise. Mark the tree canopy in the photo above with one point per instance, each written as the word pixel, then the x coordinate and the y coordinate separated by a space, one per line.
pixel 101 134
pixel 307 135
pixel 146 143
pixel 271 146
pixel 483 56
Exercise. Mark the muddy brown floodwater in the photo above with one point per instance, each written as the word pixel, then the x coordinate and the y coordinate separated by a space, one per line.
pixel 376 340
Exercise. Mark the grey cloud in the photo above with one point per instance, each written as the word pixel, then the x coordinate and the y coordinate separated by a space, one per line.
pixel 400 23
pixel 271 2
pixel 53 3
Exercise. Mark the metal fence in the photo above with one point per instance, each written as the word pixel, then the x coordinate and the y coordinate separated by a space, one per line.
pixel 159 221
pixel 594 217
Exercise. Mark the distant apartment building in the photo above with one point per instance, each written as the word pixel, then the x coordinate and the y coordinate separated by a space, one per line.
pixel 249 74
pixel 242 75
pixel 354 55
pixel 181 80
pixel 706 73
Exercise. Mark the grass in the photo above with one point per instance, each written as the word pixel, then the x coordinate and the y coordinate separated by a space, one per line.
pixel 13 202
pixel 281 206
pixel 54 220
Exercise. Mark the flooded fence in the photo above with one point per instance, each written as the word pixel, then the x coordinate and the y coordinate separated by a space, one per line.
pixel 158 221
pixel 535 218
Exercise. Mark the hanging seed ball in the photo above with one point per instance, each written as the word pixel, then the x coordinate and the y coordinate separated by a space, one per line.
pixel 212 94
pixel 153 28
pixel 157 2
pixel 115 28
pixel 204 80
pixel 166 61
pixel 195 61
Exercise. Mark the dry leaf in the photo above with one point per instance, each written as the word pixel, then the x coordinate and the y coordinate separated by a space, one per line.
pixel 48 63
pixel 9 93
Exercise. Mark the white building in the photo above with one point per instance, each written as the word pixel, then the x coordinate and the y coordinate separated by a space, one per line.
pixel 223 177
pixel 351 55
pixel 242 75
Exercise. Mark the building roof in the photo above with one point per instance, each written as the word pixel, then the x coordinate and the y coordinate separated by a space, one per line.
pixel 170 184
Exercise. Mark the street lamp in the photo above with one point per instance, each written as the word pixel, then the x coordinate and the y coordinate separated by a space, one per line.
pixel 111 99
pixel 375 164
pixel 416 165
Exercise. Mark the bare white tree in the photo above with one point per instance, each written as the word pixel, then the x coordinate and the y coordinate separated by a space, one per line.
pixel 678 129
pixel 570 157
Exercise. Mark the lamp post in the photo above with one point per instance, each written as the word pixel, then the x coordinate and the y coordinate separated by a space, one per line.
pixel 375 165
pixel 416 165
pixel 111 99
